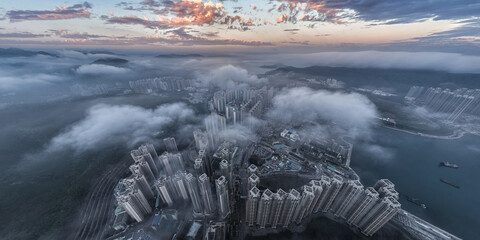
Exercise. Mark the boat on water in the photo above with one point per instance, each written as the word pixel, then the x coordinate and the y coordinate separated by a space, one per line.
pixel 449 183
pixel 447 164
pixel 416 201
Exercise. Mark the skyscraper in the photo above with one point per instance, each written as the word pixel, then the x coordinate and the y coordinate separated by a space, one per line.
pixel 135 204
pixel 252 169
pixel 325 182
pixel 253 181
pixel 194 193
pixel 143 169
pixel 379 215
pixel 367 200
pixel 180 185
pixel 201 139
pixel 170 145
pixel 206 194
pixel 264 207
pixel 348 197
pixel 223 197
pixel 252 204
pixel 290 205
pixel 277 206
pixel 225 170
pixel 215 124
pixel 335 186
pixel 162 188
pixel 143 154
pixel 142 184
pixel 304 204
pixel 199 167
pixel 317 190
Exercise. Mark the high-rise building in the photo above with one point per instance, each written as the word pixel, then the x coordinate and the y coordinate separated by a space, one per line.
pixel 290 205
pixel 194 193
pixel 335 186
pixel 143 154
pixel 277 207
pixel 135 204
pixel 201 139
pixel 326 183
pixel 252 204
pixel 367 200
pixel 151 149
pixel 304 204
pixel 264 207
pixel 215 124
pixel 253 181
pixel 162 189
pixel 348 197
pixel 171 162
pixel 170 145
pixel 226 170
pixel 142 168
pixel 252 169
pixel 180 185
pixel 317 190
pixel 199 167
pixel 206 194
pixel 385 187
pixel 223 197
pixel 142 184
pixel 379 215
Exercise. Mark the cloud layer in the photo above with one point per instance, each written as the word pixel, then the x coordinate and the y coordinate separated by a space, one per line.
pixel 451 62
pixel 229 76
pixel 101 69
pixel 348 111
pixel 119 124
pixel 75 11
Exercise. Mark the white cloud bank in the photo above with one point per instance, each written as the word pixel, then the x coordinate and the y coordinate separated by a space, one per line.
pixel 450 62
pixel 119 124
pixel 349 111
pixel 101 69
pixel 229 76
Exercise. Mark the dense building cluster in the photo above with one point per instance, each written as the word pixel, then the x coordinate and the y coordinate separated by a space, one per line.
pixel 241 105
pixel 168 83
pixel 452 102
pixel 366 209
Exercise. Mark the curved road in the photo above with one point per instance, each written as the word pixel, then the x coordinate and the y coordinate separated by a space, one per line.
pixel 95 213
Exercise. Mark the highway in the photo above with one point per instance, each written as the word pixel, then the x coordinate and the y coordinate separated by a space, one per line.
pixel 100 203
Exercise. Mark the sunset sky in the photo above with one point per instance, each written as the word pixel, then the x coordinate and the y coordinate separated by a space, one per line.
pixel 441 25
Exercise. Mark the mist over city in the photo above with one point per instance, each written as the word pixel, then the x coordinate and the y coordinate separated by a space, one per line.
pixel 248 120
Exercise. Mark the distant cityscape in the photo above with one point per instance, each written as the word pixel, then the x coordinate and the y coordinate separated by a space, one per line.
pixel 218 188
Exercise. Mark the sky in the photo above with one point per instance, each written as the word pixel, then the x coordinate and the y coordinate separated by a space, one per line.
pixel 413 25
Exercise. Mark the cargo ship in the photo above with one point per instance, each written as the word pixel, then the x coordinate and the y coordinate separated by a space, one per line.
pixel 449 183
pixel 447 164
pixel 416 201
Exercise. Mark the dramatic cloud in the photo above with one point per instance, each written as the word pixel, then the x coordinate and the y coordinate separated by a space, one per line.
pixel 229 76
pixel 349 111
pixel 184 13
pixel 451 62
pixel 101 69
pixel 389 11
pixel 75 11
pixel 74 35
pixel 119 124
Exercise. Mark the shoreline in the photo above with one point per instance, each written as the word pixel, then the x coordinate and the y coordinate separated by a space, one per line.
pixel 455 135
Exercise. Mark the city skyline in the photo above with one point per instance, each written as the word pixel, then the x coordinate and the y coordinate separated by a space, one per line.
pixel 294 25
